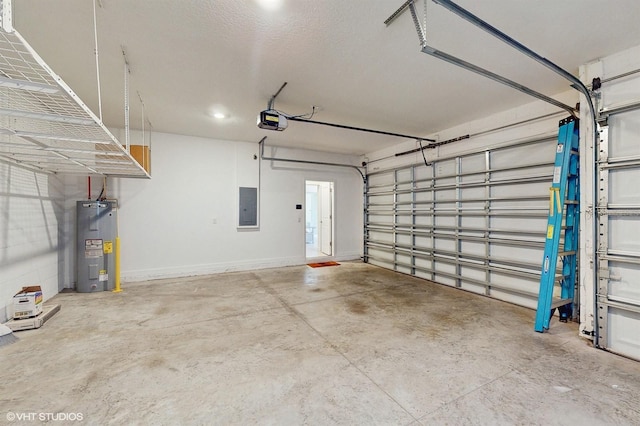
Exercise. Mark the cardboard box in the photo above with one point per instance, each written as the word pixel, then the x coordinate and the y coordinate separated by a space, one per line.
pixel 19 324
pixel 35 322
pixel 142 155
pixel 27 302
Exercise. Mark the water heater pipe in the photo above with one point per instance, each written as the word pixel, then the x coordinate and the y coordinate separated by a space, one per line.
pixel 117 288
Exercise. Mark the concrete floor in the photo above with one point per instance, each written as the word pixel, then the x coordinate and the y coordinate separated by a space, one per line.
pixel 350 344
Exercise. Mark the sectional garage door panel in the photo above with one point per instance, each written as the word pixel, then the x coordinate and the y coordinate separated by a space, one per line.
pixel 623 235
pixel 619 183
pixel 623 284
pixel 622 331
pixel 475 221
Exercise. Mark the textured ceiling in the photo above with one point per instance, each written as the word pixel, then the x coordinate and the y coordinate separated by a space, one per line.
pixel 190 58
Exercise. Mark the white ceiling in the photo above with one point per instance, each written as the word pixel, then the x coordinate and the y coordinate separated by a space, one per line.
pixel 190 58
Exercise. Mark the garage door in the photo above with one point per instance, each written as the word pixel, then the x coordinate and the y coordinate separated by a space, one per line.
pixel 475 221
pixel 618 290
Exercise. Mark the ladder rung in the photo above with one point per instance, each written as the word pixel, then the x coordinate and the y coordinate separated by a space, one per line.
pixel 567 253
pixel 560 302
pixel 572 202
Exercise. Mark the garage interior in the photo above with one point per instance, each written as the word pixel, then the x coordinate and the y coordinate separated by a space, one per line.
pixel 376 250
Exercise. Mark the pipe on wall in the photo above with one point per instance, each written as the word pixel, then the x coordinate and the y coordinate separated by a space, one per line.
pixel 320 163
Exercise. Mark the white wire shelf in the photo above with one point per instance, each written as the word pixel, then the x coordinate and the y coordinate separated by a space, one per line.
pixel 44 125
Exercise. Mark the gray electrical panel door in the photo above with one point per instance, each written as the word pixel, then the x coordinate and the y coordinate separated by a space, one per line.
pixel 96 235
pixel 248 213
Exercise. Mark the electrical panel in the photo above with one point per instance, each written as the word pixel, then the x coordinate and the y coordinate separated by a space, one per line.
pixel 96 239
pixel 248 207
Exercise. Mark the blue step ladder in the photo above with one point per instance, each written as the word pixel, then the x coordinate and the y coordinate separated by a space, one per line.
pixel 562 227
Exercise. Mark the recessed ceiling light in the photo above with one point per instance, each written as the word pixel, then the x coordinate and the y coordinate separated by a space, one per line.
pixel 219 115
pixel 270 4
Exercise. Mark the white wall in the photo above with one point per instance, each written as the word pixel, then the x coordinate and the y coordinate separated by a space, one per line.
pixel 32 235
pixel 183 220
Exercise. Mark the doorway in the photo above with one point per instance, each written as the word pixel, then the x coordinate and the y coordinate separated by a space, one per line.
pixel 319 219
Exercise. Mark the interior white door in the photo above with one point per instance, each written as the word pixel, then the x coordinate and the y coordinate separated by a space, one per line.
pixel 326 218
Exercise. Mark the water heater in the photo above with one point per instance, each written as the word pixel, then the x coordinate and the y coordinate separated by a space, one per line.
pixel 96 238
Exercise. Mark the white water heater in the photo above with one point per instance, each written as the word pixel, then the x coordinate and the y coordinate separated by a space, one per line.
pixel 96 239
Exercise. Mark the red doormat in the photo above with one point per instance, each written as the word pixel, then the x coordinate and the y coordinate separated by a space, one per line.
pixel 321 264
